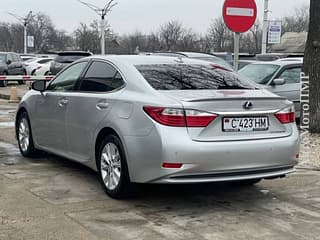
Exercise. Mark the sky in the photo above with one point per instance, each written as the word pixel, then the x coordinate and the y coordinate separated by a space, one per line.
pixel 138 15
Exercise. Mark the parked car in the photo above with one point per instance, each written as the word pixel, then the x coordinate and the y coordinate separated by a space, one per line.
pixel 26 57
pixel 33 65
pixel 195 55
pixel 11 64
pixel 63 59
pixel 243 63
pixel 44 69
pixel 151 119
pixel 279 77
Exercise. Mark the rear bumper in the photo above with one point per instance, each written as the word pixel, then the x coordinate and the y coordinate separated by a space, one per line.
pixel 208 161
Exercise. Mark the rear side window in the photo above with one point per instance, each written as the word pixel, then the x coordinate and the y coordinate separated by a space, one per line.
pixel 43 61
pixel 195 76
pixel 101 77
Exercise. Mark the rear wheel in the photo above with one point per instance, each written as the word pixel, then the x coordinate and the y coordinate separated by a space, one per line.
pixel 24 136
pixel 3 83
pixel 112 168
pixel 21 81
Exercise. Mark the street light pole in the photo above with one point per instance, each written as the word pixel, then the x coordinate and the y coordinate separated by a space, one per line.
pixel 102 12
pixel 103 42
pixel 25 22
pixel 265 27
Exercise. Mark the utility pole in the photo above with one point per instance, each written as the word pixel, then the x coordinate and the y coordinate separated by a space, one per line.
pixel 102 12
pixel 265 27
pixel 25 21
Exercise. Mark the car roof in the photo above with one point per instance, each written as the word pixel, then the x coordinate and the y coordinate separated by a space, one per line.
pixel 277 62
pixel 146 59
pixel 70 53
pixel 195 54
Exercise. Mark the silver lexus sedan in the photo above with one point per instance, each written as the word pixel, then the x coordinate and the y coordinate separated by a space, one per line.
pixel 151 119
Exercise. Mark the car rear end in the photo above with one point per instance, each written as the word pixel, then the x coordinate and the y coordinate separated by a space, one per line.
pixel 221 129
pixel 63 59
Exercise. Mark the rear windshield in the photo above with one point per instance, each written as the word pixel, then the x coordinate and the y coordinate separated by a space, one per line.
pixel 186 76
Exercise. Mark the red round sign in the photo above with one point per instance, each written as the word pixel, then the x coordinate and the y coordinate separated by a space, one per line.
pixel 239 15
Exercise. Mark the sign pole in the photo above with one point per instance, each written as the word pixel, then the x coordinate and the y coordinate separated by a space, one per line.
pixel 236 51
pixel 265 27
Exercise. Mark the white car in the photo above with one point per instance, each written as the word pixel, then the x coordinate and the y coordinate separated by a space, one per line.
pixel 44 69
pixel 33 65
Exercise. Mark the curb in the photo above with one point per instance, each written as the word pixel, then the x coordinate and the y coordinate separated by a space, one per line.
pixel 7 97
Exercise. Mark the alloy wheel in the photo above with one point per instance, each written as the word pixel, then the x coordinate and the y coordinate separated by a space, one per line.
pixel 110 166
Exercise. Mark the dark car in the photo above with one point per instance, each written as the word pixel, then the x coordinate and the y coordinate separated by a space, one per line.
pixel 63 59
pixel 11 64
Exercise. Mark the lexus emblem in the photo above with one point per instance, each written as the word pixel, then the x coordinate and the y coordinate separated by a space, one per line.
pixel 247 105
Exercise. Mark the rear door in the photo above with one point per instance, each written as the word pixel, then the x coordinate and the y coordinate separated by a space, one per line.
pixel 98 91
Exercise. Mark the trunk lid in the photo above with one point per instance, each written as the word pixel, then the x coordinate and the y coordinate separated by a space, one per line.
pixel 229 104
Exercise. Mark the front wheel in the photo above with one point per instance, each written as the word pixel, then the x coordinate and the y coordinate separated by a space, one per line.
pixel 24 136
pixel 112 168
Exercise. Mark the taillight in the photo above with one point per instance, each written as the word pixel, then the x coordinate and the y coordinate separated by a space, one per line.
pixel 196 118
pixel 172 165
pixel 177 117
pixel 286 115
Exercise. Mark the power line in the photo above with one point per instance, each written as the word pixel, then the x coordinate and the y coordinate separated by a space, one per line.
pixel 102 12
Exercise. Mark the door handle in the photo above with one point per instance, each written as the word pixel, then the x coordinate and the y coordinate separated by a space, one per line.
pixel 63 102
pixel 102 105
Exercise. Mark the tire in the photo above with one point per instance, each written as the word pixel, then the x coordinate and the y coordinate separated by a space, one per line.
pixel 24 136
pixel 113 170
pixel 20 82
pixel 3 83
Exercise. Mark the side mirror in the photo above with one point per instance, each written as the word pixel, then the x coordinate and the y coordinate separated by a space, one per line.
pixel 278 82
pixel 9 62
pixel 39 85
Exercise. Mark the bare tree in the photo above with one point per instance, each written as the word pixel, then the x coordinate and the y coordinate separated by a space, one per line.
pixel 298 21
pixel 256 32
pixel 312 65
pixel 171 33
pixel 87 39
pixel 220 35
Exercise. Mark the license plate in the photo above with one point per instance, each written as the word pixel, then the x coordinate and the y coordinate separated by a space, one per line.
pixel 245 124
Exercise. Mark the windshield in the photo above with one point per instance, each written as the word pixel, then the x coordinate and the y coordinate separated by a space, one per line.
pixel 259 73
pixel 2 57
pixel 191 76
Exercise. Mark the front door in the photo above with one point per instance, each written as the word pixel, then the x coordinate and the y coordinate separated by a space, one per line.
pixel 51 109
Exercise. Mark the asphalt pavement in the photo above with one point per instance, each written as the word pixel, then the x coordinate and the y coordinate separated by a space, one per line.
pixel 54 198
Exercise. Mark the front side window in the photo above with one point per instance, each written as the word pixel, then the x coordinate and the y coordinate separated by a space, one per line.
pixel 101 77
pixel 191 76
pixel 3 58
pixel 291 75
pixel 68 78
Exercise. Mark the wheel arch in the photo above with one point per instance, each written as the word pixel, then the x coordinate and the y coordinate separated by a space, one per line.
pixel 100 137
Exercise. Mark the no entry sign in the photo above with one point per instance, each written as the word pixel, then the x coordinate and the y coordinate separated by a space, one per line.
pixel 239 15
